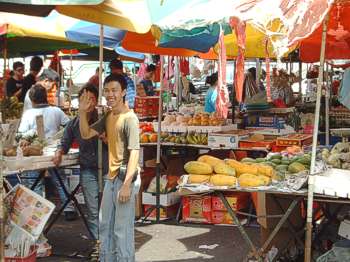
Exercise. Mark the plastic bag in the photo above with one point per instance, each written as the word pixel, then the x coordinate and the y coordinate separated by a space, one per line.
pixel 339 253
pixel 152 188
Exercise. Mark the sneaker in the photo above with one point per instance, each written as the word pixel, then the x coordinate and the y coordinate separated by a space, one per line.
pixel 95 253
pixel 70 215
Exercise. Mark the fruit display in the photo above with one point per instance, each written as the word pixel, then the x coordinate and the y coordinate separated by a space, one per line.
pixel 199 119
pixel 10 108
pixel 338 156
pixel 29 145
pixel 248 172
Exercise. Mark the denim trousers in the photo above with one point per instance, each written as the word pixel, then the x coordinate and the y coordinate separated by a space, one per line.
pixel 117 223
pixel 90 187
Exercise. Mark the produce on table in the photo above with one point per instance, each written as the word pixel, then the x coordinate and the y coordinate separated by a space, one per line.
pixel 224 169
pixel 198 179
pixel 198 168
pixel 211 160
pixel 223 180
pixel 199 119
pixel 250 180
pixel 338 157
pixel 10 108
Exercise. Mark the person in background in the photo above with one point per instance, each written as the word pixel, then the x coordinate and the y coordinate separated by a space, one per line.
pixel 54 118
pixel 94 80
pixel 116 67
pixel 117 211
pixel 47 79
pixel 36 63
pixel 147 81
pixel 15 83
pixel 210 98
pixel 88 157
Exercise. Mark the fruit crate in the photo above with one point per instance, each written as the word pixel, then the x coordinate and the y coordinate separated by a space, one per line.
pixel 295 140
pixel 268 144
pixel 146 106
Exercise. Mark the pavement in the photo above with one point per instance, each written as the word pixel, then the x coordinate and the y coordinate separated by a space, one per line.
pixel 157 242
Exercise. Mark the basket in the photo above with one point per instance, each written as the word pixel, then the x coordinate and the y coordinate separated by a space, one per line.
pixel 30 258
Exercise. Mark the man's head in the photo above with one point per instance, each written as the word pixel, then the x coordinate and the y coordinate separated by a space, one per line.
pixel 38 94
pixel 150 70
pixel 18 70
pixel 92 94
pixel 36 63
pixel 116 66
pixel 48 78
pixel 114 90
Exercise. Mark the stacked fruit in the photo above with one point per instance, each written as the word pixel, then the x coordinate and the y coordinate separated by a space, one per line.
pixel 147 134
pixel 10 108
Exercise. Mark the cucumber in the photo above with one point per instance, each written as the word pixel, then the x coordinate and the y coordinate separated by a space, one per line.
pixel 248 159
pixel 260 160
pixel 276 161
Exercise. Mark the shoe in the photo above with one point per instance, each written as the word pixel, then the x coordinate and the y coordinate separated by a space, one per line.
pixel 70 215
pixel 95 253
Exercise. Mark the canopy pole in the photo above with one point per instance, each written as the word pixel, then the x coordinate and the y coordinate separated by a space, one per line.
pixel 2 196
pixel 160 114
pixel 327 97
pixel 99 144
pixel 310 199
pixel 300 80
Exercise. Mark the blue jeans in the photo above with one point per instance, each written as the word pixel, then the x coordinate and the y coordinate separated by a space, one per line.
pixel 62 195
pixel 90 187
pixel 117 223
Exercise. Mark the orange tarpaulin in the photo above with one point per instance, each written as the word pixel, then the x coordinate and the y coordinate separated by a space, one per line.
pixel 146 43
pixel 338 37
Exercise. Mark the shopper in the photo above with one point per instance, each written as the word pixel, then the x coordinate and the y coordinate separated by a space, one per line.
pixel 15 83
pixel 118 203
pixel 147 81
pixel 116 67
pixel 36 63
pixel 88 157
pixel 94 79
pixel 53 119
pixel 47 79
pixel 210 98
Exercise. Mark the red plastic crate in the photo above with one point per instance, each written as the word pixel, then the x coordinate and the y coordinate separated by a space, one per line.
pixel 237 201
pixel 197 209
pixel 165 212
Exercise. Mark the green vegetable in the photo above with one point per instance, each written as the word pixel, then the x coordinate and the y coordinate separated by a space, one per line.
pixel 296 167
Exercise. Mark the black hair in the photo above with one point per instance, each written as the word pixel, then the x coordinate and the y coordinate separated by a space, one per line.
pixel 211 80
pixel 17 65
pixel 116 78
pixel 116 63
pixel 89 88
pixel 36 63
pixel 150 68
pixel 38 94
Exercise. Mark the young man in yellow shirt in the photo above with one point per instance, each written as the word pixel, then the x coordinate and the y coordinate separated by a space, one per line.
pixel 118 203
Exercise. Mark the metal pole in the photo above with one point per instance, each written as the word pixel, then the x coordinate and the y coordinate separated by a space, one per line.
pixel 327 97
pixel 310 199
pixel 160 113
pixel 99 144
pixel 300 79
pixel 2 195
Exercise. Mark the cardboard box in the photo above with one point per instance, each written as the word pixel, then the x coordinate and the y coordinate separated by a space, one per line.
pixel 227 139
pixel 294 140
pixel 165 199
pixel 165 212
pixel 237 201
pixel 196 209
pixel 221 217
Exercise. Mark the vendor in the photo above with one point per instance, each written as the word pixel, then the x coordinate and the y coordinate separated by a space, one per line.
pixel 147 81
pixel 210 98
pixel 53 119
pixel 15 82
pixel 36 63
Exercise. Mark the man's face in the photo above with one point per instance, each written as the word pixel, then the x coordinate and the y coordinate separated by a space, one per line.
pixel 149 75
pixel 114 94
pixel 19 72
pixel 48 84
pixel 93 99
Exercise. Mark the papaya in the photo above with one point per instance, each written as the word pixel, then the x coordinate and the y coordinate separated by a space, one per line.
pixel 250 180
pixel 198 168
pixel 211 160
pixel 296 167
pixel 223 168
pixel 242 168
pixel 198 179
pixel 265 170
pixel 223 180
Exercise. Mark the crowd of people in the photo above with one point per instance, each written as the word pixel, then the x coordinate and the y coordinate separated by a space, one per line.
pixel 118 130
